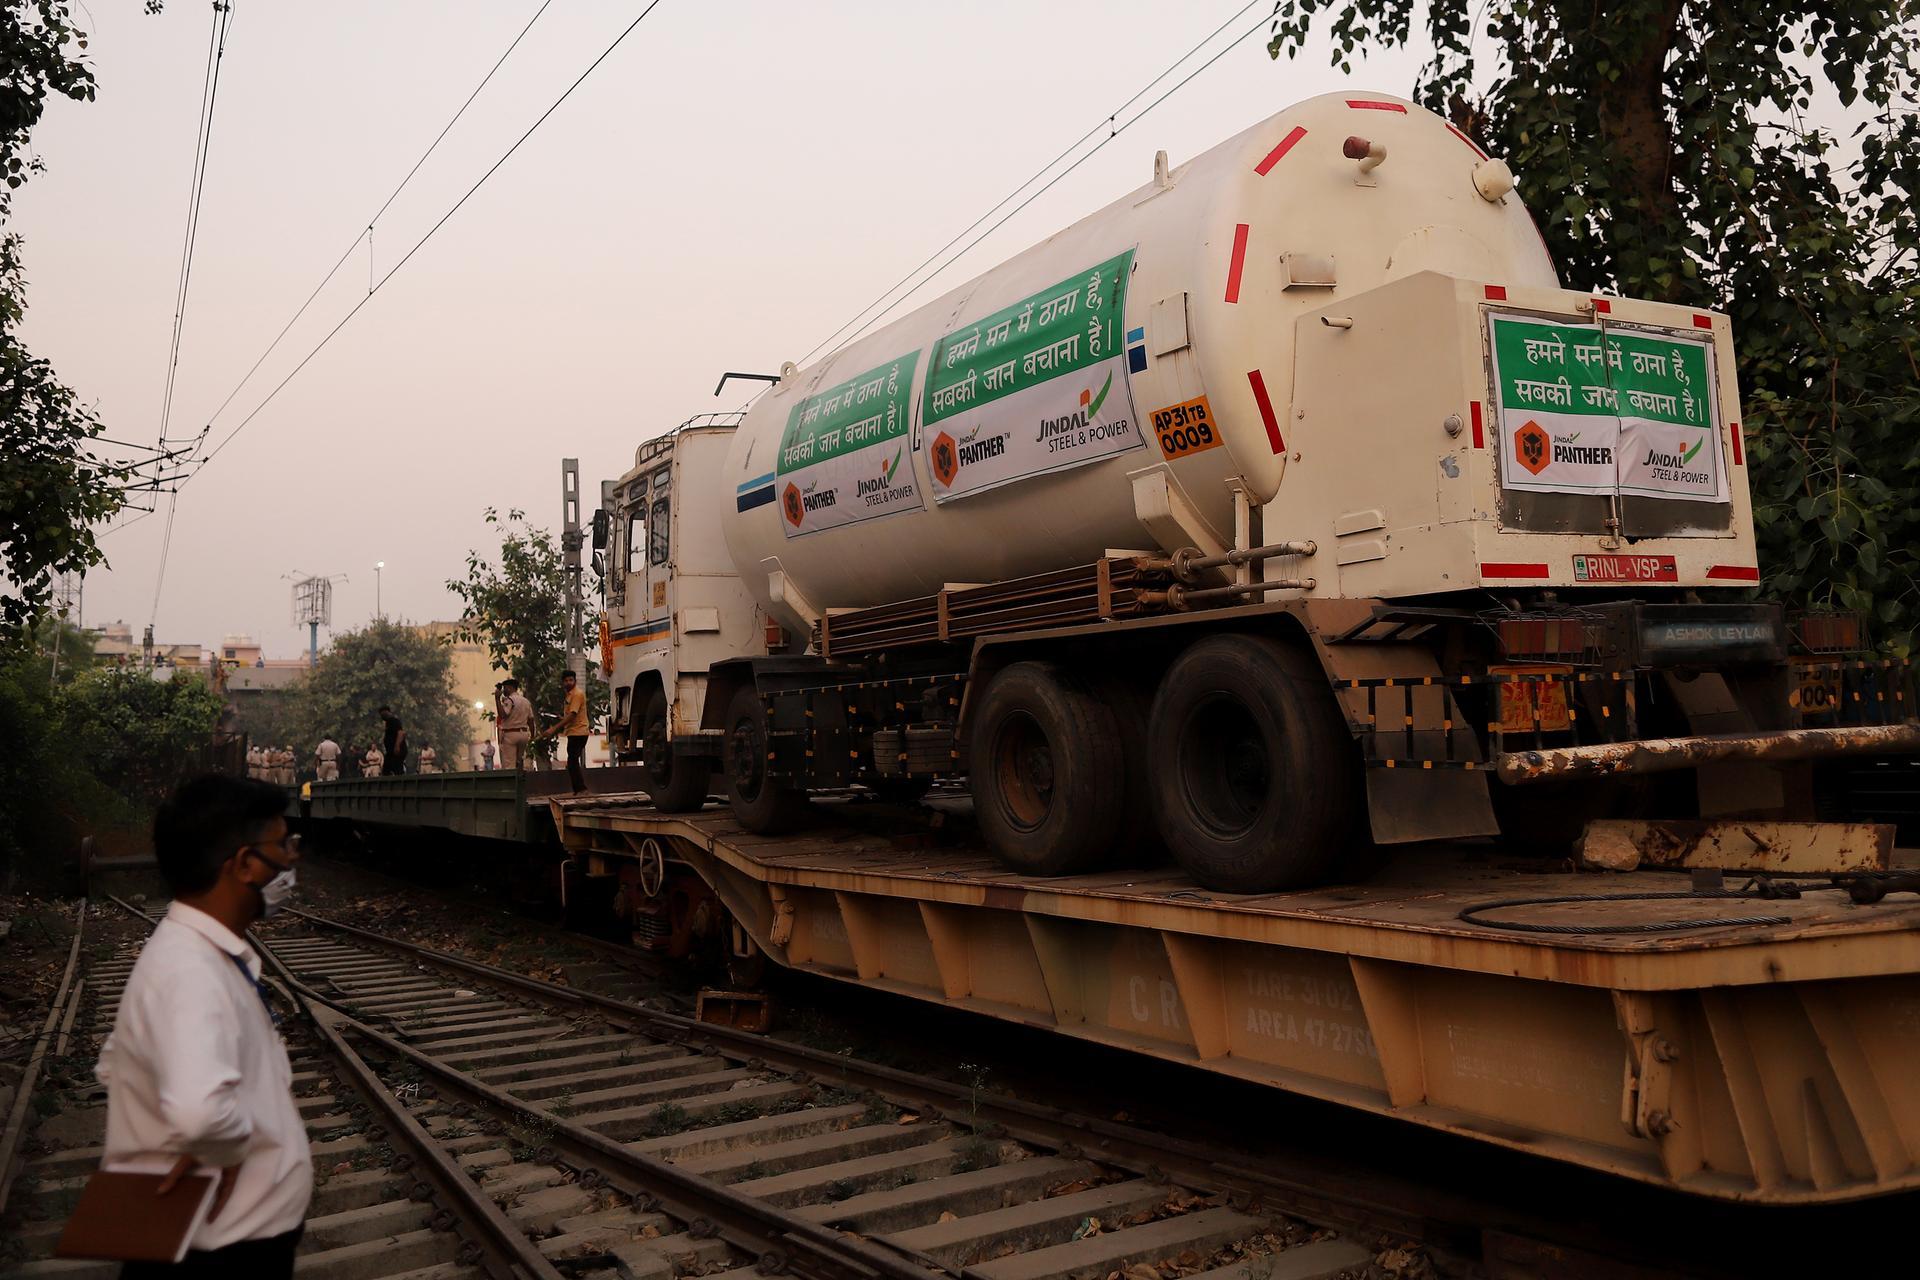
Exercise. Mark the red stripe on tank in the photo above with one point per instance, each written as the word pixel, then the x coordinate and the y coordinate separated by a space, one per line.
pixel 1362 104
pixel 1278 153
pixel 1479 431
pixel 1239 261
pixel 1260 397
pixel 1739 457
pixel 1469 141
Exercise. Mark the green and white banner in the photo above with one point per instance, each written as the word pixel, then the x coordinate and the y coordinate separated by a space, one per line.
pixel 1586 408
pixel 1039 386
pixel 843 457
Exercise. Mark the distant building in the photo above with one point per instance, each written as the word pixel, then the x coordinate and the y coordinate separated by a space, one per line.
pixel 115 644
pixel 473 680
pixel 277 678
pixel 241 650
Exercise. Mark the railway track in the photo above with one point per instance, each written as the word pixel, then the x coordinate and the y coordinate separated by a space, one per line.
pixel 402 1190
pixel 468 1122
pixel 810 1162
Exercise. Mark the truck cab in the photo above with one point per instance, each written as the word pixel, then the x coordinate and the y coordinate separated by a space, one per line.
pixel 672 606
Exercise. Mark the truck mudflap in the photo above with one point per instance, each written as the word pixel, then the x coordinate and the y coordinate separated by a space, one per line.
pixel 1663 755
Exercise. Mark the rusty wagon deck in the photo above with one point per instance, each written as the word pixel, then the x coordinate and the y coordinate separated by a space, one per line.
pixel 1767 1059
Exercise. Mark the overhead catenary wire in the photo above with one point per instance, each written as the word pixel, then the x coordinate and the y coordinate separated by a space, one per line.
pixel 367 234
pixel 1110 122
pixel 421 242
pixel 196 188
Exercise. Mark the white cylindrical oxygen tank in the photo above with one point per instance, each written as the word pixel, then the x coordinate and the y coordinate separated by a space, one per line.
pixel 997 431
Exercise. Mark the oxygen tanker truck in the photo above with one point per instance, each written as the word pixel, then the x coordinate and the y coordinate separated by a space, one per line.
pixel 1285 507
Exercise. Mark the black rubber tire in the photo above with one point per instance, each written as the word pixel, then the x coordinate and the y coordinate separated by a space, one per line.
pixel 1130 697
pixel 675 784
pixel 1255 780
pixel 1046 771
pixel 762 807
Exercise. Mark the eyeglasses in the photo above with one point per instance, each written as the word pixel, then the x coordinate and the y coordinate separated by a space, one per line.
pixel 291 843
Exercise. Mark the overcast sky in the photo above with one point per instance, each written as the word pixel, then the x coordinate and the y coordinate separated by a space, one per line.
pixel 732 184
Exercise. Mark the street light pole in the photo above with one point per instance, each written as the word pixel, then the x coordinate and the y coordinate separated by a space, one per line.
pixel 378 565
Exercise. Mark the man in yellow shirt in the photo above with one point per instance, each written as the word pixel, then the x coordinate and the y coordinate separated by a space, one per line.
pixel 573 725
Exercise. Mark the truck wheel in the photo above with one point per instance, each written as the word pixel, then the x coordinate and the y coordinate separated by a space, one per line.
pixel 763 806
pixel 675 785
pixel 1138 843
pixel 1046 771
pixel 1254 778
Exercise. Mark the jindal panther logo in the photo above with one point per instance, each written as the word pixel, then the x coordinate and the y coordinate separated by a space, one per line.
pixel 1533 447
pixel 796 502
pixel 946 459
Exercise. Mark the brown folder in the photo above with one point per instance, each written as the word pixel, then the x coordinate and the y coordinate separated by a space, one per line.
pixel 120 1217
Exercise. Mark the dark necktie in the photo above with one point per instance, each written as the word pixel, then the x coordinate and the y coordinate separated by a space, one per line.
pixel 259 987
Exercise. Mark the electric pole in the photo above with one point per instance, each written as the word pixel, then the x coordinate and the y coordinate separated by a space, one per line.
pixel 570 543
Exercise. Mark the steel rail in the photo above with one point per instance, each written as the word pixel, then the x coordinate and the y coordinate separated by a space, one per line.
pixel 1465 1231
pixel 642 963
pixel 1449 1222
pixel 56 1015
pixel 506 1241
pixel 507 1253
pixel 779 1239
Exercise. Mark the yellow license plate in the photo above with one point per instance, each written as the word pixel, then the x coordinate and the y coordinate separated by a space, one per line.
pixel 1819 691
pixel 1529 705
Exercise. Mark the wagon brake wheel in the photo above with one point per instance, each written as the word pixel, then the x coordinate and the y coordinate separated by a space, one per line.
pixel 653 867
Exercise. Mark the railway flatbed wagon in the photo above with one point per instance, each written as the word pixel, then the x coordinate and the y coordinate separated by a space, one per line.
pixel 1728 1044
pixel 489 804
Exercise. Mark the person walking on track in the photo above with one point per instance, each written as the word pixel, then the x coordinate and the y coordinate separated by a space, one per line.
pixel 395 756
pixel 572 725
pixel 196 1073
pixel 515 720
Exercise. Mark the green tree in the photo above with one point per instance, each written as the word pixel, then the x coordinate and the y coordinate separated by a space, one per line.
pixel 139 736
pixel 75 648
pixel 382 665
pixel 274 717
pixel 53 490
pixel 91 752
pixel 1666 151
pixel 518 609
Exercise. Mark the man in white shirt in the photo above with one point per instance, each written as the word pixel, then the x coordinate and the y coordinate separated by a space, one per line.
pixel 326 759
pixel 195 1071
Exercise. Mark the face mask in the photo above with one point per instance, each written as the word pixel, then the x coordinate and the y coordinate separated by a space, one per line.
pixel 275 892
